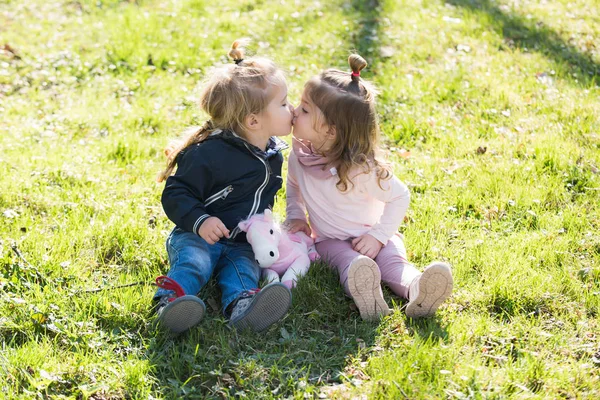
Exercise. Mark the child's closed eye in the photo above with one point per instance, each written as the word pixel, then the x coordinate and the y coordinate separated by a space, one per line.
pixel 304 111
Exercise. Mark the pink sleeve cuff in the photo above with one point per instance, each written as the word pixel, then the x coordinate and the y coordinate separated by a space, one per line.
pixel 382 237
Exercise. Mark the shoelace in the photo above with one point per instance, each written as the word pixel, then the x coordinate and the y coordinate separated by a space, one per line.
pixel 164 282
pixel 251 292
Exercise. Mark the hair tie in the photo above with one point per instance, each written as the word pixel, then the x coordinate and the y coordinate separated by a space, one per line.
pixel 355 73
pixel 238 61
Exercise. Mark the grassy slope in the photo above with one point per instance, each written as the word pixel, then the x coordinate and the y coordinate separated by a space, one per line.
pixel 101 86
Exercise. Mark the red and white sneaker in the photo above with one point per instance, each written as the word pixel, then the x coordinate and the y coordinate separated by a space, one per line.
pixel 180 312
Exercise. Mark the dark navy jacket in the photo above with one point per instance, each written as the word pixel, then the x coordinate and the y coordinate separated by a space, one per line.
pixel 226 177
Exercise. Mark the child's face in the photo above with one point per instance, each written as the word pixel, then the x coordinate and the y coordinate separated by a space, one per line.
pixel 279 114
pixel 305 116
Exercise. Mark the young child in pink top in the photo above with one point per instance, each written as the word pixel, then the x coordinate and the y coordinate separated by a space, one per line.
pixel 354 202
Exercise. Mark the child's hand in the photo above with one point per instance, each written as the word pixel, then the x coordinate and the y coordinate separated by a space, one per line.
pixel 367 245
pixel 212 230
pixel 298 225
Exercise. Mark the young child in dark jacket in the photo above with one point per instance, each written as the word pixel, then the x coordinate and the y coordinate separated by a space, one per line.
pixel 227 170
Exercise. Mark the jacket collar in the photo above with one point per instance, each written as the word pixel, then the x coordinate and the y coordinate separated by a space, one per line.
pixel 274 145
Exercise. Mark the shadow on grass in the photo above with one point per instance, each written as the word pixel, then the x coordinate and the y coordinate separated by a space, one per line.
pixel 534 35
pixel 427 328
pixel 366 39
pixel 311 348
pixel 308 349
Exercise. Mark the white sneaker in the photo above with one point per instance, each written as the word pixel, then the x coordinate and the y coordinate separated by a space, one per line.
pixel 364 284
pixel 429 290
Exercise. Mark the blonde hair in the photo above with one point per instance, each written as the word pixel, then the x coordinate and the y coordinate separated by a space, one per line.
pixel 232 93
pixel 347 102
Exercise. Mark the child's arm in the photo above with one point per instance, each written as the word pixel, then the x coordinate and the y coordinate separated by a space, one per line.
pixel 295 207
pixel 397 198
pixel 181 197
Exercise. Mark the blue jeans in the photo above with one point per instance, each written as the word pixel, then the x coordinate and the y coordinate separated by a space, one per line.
pixel 193 261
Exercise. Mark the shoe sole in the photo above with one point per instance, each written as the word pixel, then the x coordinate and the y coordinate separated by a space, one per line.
pixel 182 313
pixel 364 284
pixel 270 305
pixel 435 286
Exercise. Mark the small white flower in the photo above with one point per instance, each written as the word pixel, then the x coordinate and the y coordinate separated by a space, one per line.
pixel 10 214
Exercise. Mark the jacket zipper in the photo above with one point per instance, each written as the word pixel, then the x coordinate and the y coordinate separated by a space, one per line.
pixel 258 193
pixel 221 194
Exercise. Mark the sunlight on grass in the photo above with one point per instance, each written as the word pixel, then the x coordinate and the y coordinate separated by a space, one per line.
pixel 490 113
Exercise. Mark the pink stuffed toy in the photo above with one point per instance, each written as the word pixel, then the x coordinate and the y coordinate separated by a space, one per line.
pixel 279 253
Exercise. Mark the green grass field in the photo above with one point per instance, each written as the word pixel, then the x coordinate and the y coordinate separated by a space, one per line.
pixel 491 115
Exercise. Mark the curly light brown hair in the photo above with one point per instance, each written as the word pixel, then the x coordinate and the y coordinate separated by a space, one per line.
pixel 347 102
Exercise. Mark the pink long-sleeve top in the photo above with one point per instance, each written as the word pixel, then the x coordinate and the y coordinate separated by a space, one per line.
pixel 364 208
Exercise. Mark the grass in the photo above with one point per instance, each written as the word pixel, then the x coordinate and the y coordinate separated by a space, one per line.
pixel 490 112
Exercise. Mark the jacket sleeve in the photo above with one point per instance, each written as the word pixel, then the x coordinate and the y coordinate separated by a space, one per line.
pixel 184 193
pixel 295 207
pixel 396 197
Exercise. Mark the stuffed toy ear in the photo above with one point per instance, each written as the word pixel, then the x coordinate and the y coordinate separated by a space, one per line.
pixel 268 215
pixel 244 225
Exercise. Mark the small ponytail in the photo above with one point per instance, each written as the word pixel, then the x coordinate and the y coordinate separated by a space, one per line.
pixel 238 50
pixel 357 64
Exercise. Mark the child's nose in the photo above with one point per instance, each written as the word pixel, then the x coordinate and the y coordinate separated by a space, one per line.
pixel 292 109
